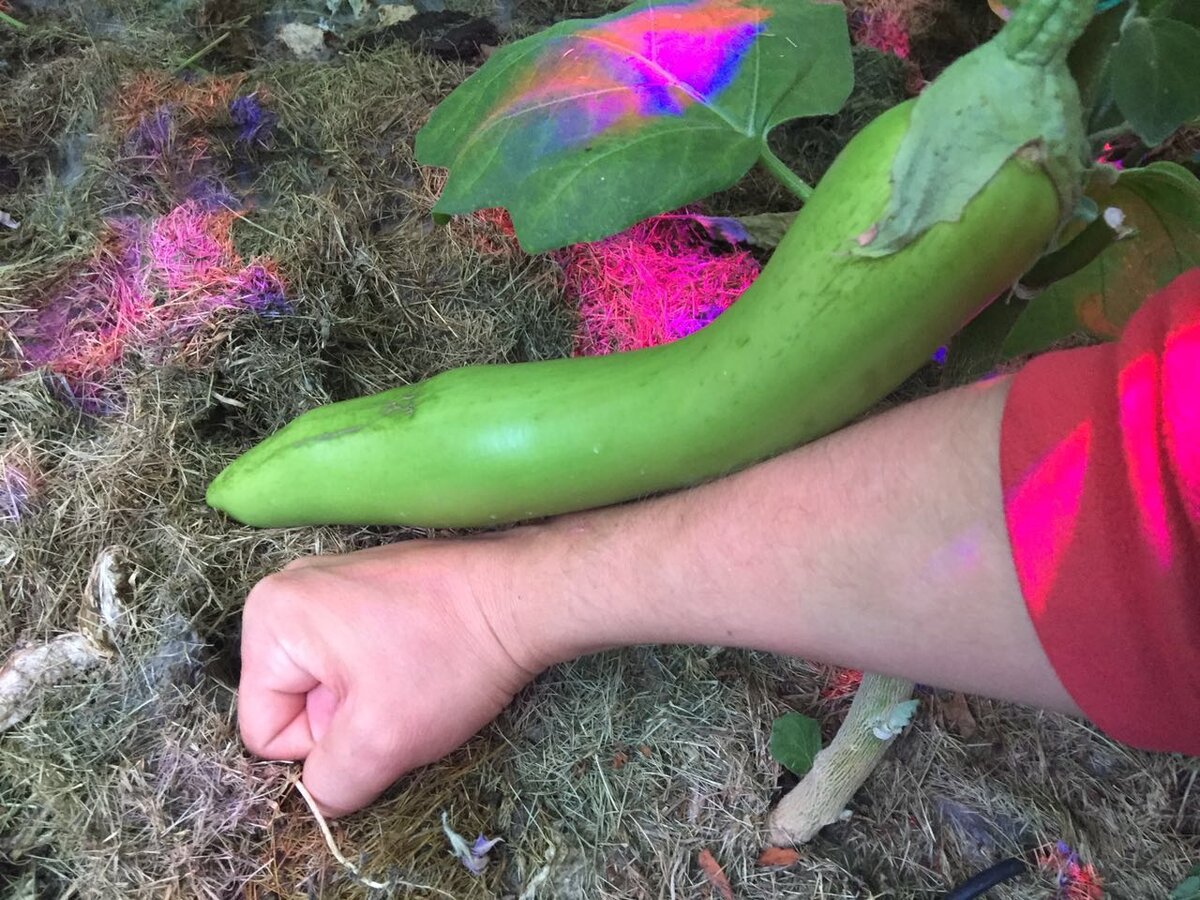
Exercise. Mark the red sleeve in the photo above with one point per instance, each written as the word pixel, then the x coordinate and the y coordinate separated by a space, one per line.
pixel 1100 462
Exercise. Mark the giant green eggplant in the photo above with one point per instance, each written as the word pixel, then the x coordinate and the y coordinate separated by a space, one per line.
pixel 831 326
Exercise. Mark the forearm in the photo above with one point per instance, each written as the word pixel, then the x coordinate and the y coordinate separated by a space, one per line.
pixel 881 547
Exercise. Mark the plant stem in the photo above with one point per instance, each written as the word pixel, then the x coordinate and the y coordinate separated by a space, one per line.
pixel 1085 247
pixel 841 768
pixel 1043 31
pixel 15 23
pixel 784 175
pixel 201 53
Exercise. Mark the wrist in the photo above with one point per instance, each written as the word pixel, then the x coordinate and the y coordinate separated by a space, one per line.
pixel 592 581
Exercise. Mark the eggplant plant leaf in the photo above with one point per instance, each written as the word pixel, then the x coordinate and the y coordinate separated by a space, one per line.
pixel 795 742
pixel 1184 10
pixel 1089 62
pixel 1154 75
pixel 592 125
pixel 764 230
pixel 1189 888
pixel 1157 209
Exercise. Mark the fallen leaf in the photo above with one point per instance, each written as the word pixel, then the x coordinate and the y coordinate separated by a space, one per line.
pixel 957 715
pixel 305 41
pixel 32 668
pixel 795 742
pixel 715 874
pixel 394 15
pixel 104 612
pixel 645 750
pixel 778 856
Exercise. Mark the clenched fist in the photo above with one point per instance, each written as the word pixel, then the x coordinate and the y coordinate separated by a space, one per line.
pixel 369 664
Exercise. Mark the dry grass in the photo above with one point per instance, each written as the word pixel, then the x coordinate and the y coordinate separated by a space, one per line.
pixel 619 768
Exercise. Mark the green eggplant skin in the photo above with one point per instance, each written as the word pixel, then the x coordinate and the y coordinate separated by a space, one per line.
pixel 820 337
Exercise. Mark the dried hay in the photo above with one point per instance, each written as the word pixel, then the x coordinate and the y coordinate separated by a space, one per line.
pixel 608 775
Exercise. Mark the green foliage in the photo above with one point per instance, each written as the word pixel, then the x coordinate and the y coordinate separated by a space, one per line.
pixel 1100 278
pixel 579 132
pixel 357 7
pixel 1189 888
pixel 795 742
pixel 1136 69
pixel 1160 216
pixel 1154 76
pixel 1089 63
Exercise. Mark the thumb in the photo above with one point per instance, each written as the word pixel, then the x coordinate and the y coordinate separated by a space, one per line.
pixel 354 760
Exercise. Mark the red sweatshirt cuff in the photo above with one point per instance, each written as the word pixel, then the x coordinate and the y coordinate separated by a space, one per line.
pixel 1100 464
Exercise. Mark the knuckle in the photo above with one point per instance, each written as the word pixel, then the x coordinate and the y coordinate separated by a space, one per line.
pixel 261 597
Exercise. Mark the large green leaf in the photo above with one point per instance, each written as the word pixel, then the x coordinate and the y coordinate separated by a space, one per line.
pixel 591 126
pixel 1183 10
pixel 1154 75
pixel 1160 205
pixel 795 742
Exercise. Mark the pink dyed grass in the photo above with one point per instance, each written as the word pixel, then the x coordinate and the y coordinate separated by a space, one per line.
pixel 885 31
pixel 1076 880
pixel 149 287
pixel 654 283
pixel 197 103
pixel 152 286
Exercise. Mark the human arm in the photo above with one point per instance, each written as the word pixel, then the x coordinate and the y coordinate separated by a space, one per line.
pixel 866 549
pixel 882 547
pixel 889 546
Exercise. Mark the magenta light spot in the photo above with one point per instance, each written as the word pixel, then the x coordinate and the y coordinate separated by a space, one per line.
pixel 1138 389
pixel 1110 157
pixel 1075 880
pixel 721 228
pixel 956 559
pixel 1181 412
pixel 657 282
pixel 1043 510
pixel 168 153
pixel 188 247
pixel 259 288
pixel 654 62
